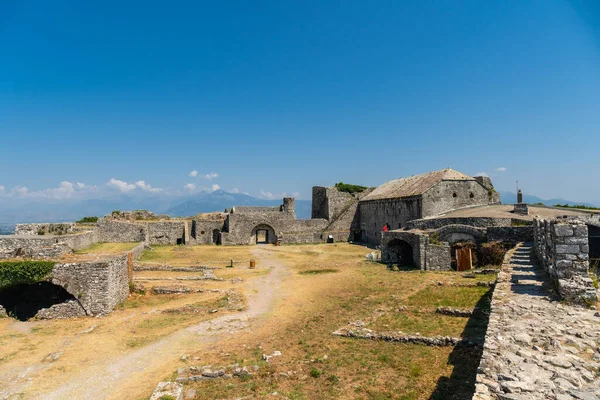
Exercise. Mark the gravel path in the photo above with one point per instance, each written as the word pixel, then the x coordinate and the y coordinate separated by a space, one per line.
pixel 104 381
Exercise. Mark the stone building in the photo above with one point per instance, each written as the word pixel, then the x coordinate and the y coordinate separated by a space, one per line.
pixel 397 202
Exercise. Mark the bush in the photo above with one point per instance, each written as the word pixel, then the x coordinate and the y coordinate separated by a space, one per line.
pixel 24 272
pixel 88 220
pixel 491 254
pixel 315 373
pixel 348 188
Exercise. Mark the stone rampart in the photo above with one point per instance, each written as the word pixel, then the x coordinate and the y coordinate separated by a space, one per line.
pixel 205 232
pixel 43 246
pixel 112 231
pixel 45 229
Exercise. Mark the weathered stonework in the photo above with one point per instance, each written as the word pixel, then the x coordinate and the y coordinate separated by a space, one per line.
pixel 536 347
pixel 561 247
pixel 45 229
pixel 414 247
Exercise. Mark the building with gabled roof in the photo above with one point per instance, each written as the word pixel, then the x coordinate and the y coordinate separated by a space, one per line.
pixel 399 201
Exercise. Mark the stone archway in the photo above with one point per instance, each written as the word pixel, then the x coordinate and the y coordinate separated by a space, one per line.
pixel 400 252
pixel 263 234
pixel 461 233
pixel 25 301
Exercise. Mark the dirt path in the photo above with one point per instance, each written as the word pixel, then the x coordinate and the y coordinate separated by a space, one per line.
pixel 132 373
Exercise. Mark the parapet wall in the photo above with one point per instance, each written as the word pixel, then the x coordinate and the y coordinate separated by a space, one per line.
pixel 561 247
pixel 478 222
pixel 45 229
pixel 111 231
pixel 44 246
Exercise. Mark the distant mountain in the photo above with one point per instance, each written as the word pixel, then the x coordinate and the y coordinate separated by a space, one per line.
pixel 511 198
pixel 219 200
pixel 176 206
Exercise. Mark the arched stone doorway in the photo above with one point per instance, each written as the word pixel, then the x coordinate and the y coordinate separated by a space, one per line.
pixel 24 301
pixel 400 252
pixel 263 234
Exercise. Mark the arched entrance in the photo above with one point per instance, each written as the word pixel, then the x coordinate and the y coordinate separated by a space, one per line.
pixel 25 301
pixel 400 252
pixel 263 234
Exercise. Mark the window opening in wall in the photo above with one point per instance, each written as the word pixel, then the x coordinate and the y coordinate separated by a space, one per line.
pixel 179 241
pixel 594 243
pixel 471 195
pixel 454 194
pixel 202 232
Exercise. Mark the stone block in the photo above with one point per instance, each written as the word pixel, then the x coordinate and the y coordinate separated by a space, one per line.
pixel 585 248
pixel 564 264
pixel 580 230
pixel 563 230
pixel 575 240
pixel 567 248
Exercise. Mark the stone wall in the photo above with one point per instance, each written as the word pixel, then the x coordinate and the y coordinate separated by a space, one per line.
pixel 396 212
pixel 328 203
pixel 439 257
pixel 561 246
pixel 166 232
pixel 510 233
pixel 112 231
pixel 451 195
pixel 49 247
pixel 45 229
pixel 203 231
pixel 417 240
pixel 461 233
pixel 98 285
pixel 479 222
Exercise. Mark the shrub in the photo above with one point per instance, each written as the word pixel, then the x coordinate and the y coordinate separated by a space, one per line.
pixel 491 253
pixel 348 188
pixel 24 272
pixel 315 373
pixel 88 220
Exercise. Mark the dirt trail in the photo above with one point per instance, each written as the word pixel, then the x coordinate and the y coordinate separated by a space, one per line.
pixel 130 374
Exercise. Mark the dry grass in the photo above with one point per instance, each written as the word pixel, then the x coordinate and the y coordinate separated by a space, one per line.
pixel 323 288
pixel 107 248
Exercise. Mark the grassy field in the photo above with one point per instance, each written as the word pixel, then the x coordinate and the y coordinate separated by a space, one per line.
pixel 330 286
pixel 107 248
pixel 318 289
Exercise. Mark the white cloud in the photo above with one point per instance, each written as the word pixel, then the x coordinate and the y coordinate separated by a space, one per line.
pixel 146 187
pixel 190 186
pixel 194 174
pixel 481 174
pixel 215 187
pixel 20 191
pixel 295 194
pixel 234 190
pixel 211 176
pixel 2 189
pixel 501 169
pixel 120 185
pixel 266 195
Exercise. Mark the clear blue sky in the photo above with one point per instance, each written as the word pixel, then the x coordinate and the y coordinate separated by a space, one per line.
pixel 279 96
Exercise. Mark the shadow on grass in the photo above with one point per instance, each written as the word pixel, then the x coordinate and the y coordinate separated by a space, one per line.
pixel 461 383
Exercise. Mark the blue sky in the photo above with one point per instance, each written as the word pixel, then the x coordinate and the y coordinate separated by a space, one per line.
pixel 268 97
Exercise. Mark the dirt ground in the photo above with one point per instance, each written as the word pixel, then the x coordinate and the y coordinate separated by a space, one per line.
pixel 292 302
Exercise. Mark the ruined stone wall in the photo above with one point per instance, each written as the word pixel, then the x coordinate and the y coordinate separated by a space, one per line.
pixel 561 246
pixel 42 246
pixel 329 203
pixel 98 285
pixel 202 231
pixel 373 215
pixel 111 231
pixel 438 257
pixel 451 195
pixel 242 228
pixel 166 232
pixel 510 233
pixel 45 229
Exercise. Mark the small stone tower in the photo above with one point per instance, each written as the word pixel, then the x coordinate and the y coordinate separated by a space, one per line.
pixel 289 204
